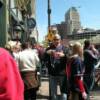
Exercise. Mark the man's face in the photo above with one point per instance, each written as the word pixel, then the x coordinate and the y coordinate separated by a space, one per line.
pixel 56 41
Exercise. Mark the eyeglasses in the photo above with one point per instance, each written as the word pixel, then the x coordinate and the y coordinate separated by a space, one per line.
pixel 56 39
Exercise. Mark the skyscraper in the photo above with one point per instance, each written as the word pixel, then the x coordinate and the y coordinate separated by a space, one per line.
pixel 72 19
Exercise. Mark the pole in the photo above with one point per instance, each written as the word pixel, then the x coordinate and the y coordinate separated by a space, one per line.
pixel 49 14
pixel 49 23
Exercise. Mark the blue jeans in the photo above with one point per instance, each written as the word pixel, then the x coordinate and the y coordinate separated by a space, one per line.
pixel 54 82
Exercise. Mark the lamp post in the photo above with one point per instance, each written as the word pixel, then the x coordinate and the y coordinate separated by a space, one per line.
pixel 17 32
pixel 49 23
pixel 49 14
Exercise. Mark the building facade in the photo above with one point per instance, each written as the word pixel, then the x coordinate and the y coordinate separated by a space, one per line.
pixel 72 19
pixel 17 20
pixel 4 22
pixel 62 29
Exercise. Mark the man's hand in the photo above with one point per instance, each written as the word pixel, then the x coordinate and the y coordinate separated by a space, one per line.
pixel 55 54
pixel 61 54
pixel 50 51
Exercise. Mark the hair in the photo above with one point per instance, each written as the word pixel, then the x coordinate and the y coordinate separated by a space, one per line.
pixel 76 48
pixel 86 44
pixel 8 47
pixel 57 36
pixel 26 45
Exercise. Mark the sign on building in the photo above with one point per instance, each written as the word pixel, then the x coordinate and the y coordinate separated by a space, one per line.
pixel 31 23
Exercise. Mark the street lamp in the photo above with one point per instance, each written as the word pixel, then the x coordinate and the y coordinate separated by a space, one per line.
pixel 49 23
pixel 17 33
pixel 49 13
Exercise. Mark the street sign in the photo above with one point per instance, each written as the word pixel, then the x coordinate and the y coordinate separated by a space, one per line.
pixel 50 36
pixel 31 23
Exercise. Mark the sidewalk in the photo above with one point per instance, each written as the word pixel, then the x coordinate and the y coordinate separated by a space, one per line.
pixel 43 93
pixel 95 94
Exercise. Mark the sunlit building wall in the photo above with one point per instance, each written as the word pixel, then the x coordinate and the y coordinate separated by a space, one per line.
pixel 34 33
pixel 72 19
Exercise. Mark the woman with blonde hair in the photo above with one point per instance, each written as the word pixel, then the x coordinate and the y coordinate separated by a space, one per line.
pixel 74 72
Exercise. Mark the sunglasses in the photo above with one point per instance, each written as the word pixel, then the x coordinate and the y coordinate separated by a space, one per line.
pixel 56 39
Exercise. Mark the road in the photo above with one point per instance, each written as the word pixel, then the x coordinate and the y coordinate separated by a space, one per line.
pixel 43 93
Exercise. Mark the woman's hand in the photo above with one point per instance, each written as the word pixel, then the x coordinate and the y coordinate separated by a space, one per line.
pixel 84 95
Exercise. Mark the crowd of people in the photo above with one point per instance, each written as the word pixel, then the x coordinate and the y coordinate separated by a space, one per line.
pixel 72 67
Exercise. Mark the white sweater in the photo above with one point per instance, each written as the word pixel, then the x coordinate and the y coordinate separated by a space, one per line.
pixel 28 60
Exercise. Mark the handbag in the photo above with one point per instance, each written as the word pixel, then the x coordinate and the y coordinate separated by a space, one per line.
pixel 30 79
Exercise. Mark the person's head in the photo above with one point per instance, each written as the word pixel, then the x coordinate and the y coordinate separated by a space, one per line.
pixel 17 48
pixel 87 44
pixel 26 45
pixel 57 39
pixel 8 47
pixel 77 49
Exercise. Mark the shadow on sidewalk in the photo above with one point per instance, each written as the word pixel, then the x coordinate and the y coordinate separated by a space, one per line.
pixel 42 97
pixel 96 87
pixel 44 79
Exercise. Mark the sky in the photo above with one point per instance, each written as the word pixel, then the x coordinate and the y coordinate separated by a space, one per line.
pixel 88 10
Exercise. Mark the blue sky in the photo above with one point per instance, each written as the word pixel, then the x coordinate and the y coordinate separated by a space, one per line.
pixel 88 10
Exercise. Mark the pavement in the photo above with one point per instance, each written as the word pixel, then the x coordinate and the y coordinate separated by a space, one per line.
pixel 43 93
